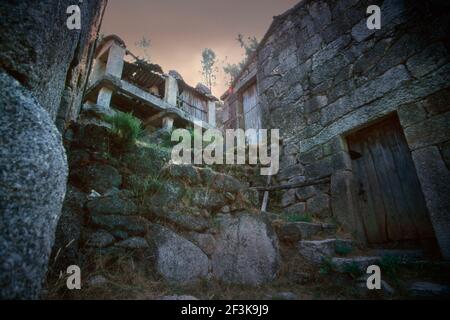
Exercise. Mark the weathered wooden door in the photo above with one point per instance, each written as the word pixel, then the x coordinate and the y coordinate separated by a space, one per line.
pixel 252 117
pixel 386 189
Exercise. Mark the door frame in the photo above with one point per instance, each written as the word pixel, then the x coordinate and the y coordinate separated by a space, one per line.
pixel 345 178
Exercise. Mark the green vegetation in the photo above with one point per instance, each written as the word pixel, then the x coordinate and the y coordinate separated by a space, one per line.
pixel 147 159
pixel 390 265
pixel 209 68
pixel 342 249
pixel 141 186
pixel 126 127
pixel 166 140
pixel 249 45
pixel 295 217
pixel 353 270
pixel 326 266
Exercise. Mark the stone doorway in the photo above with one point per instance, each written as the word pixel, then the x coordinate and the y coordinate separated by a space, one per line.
pixel 386 191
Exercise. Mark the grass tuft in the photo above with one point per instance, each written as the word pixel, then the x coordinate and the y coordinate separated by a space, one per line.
pixel 126 127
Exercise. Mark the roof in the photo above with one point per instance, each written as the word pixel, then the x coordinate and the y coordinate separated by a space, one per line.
pixel 143 74
pixel 183 85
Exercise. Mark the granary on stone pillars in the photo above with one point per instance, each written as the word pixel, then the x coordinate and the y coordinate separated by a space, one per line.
pixel 121 81
pixel 367 110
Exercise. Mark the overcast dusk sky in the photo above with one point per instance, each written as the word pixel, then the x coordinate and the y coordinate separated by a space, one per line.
pixel 180 29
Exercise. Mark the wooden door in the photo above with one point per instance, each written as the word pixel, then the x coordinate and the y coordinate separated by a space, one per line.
pixel 386 188
pixel 252 117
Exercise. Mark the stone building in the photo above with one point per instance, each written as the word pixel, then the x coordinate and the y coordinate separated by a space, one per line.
pixel 158 99
pixel 367 110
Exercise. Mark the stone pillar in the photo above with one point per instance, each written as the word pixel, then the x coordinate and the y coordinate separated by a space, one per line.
pixel 434 179
pixel 104 97
pixel 167 123
pixel 212 113
pixel 114 65
pixel 171 91
pixel 98 71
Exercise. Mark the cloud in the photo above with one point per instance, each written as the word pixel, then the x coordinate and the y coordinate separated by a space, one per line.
pixel 180 29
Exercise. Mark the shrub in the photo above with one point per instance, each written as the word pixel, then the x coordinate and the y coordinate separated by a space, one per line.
pixel 295 217
pixel 326 266
pixel 342 249
pixel 390 265
pixel 353 270
pixel 166 140
pixel 126 127
pixel 141 186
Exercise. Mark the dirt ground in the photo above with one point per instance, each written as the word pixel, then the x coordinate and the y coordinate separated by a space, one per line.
pixel 126 279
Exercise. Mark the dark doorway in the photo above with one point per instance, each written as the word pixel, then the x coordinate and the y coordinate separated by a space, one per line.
pixel 386 189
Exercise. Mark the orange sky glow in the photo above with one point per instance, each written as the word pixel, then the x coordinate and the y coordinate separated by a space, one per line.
pixel 180 29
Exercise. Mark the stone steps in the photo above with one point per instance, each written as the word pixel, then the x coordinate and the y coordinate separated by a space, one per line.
pixel 360 263
pixel 318 250
pixel 404 255
pixel 341 256
pixel 296 231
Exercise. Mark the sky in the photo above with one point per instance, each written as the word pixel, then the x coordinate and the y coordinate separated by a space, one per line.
pixel 180 29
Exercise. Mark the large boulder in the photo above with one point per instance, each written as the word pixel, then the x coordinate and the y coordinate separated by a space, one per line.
pixel 33 175
pixel 176 258
pixel 51 60
pixel 246 251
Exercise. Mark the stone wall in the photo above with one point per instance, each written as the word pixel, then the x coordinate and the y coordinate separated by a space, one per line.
pixel 181 222
pixel 322 74
pixel 42 67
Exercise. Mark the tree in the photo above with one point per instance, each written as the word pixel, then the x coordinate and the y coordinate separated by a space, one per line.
pixel 232 70
pixel 209 68
pixel 144 44
pixel 250 45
